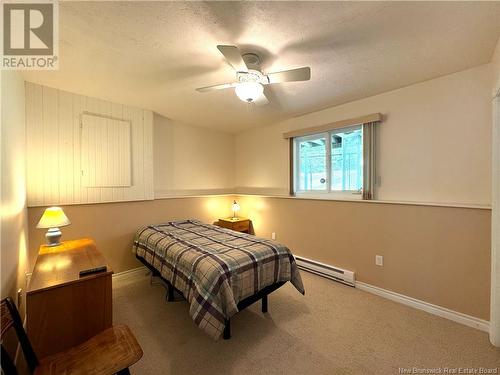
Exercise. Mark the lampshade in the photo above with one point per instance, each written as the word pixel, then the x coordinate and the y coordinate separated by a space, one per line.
pixel 235 207
pixel 249 91
pixel 53 217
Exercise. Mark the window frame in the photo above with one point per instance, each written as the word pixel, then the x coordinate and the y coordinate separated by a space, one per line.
pixel 326 193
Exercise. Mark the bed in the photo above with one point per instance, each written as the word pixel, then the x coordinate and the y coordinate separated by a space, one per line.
pixel 218 271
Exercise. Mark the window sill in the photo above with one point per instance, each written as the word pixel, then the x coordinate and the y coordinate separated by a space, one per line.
pixel 338 196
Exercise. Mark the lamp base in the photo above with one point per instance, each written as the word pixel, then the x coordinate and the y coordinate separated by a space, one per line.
pixel 53 237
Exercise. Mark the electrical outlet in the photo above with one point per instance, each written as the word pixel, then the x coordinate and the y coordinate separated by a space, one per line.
pixel 273 235
pixel 379 260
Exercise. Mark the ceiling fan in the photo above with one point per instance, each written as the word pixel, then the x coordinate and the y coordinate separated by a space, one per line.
pixel 250 81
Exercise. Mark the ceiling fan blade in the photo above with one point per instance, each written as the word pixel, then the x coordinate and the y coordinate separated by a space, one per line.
pixel 233 57
pixel 300 74
pixel 261 100
pixel 216 87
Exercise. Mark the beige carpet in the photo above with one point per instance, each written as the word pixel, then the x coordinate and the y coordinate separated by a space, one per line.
pixel 334 329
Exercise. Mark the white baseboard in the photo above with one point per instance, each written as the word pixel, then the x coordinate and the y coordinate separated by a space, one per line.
pixel 132 272
pixel 443 312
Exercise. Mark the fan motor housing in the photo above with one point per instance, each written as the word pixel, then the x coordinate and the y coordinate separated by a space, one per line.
pixel 251 60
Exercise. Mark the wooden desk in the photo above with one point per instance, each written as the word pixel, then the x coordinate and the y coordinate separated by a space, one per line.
pixel 62 308
pixel 239 224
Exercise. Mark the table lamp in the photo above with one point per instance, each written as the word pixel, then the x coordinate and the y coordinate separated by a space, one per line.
pixel 53 218
pixel 235 207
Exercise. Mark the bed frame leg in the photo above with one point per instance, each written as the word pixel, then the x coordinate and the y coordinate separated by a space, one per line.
pixel 227 330
pixel 170 292
pixel 264 304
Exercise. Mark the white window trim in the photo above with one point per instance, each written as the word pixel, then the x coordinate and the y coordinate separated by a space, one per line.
pixel 333 194
pixel 327 193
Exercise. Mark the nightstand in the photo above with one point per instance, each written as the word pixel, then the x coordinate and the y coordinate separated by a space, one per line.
pixel 239 224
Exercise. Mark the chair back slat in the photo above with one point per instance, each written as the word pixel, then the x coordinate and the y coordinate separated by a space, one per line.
pixel 10 318
pixel 6 318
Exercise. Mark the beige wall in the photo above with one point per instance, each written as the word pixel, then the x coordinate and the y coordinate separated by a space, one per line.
pixel 434 145
pixel 439 255
pixel 13 226
pixel 189 160
pixel 112 225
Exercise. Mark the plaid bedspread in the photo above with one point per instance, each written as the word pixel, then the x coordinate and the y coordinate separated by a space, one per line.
pixel 213 267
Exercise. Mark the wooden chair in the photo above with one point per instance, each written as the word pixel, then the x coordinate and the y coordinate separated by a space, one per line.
pixel 109 352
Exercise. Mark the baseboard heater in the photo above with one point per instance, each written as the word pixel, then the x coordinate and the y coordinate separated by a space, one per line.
pixel 321 269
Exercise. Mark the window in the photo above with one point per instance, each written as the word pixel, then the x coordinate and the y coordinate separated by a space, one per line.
pixel 330 163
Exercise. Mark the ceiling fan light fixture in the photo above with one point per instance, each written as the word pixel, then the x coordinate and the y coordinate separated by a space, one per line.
pixel 250 81
pixel 249 91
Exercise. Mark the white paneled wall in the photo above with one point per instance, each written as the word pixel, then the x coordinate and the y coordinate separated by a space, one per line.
pixel 54 170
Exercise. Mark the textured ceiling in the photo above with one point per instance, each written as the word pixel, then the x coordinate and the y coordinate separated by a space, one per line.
pixel 154 54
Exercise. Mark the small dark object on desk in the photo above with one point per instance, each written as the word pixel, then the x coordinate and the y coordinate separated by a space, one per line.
pixel 93 270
